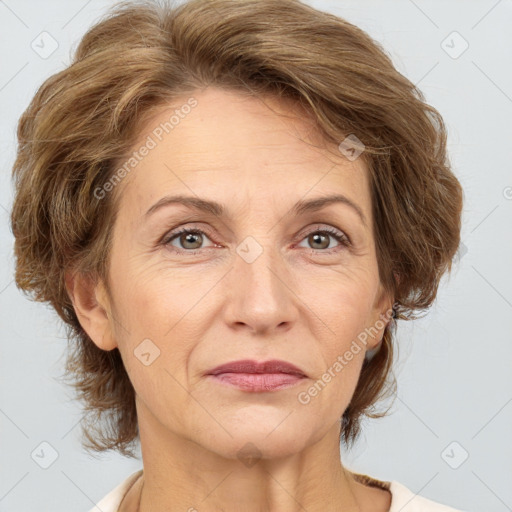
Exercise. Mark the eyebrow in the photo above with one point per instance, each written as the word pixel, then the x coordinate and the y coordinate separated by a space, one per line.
pixel 218 210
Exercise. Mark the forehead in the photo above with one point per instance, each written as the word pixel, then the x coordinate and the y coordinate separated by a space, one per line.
pixel 230 145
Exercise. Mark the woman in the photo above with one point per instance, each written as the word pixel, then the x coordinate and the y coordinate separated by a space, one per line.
pixel 218 200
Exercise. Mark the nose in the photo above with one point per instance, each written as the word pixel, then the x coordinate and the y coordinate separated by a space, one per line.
pixel 260 293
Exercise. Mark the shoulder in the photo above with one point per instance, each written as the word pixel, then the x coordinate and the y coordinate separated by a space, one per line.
pixel 402 498
pixel 112 500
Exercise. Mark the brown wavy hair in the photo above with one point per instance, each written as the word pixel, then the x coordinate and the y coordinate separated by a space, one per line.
pixel 139 56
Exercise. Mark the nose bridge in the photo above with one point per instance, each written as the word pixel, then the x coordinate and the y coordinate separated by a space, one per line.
pixel 260 290
pixel 258 263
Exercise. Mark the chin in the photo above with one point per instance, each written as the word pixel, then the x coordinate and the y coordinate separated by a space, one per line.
pixel 249 449
pixel 267 438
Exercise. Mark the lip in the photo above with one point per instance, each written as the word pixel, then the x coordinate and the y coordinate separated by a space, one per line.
pixel 254 376
pixel 251 366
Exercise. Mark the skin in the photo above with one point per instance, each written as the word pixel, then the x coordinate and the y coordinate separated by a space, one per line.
pixel 301 300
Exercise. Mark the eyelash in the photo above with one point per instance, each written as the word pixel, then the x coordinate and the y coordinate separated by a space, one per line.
pixel 338 236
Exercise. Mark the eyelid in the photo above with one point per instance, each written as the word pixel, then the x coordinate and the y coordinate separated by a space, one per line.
pixel 343 240
pixel 339 235
pixel 328 228
pixel 173 233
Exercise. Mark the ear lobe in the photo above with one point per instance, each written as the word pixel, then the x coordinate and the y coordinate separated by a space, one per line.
pixel 92 307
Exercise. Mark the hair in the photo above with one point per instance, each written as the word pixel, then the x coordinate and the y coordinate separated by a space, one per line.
pixel 141 55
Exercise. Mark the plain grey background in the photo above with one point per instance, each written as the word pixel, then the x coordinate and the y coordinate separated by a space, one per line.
pixel 448 434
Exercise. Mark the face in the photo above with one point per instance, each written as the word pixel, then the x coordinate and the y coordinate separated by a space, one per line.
pixel 261 281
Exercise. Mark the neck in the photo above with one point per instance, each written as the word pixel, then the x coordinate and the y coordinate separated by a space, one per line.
pixel 182 475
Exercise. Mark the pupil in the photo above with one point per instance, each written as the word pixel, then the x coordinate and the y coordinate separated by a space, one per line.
pixel 316 236
pixel 189 237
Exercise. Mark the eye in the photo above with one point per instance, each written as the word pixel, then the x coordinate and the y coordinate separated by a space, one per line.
pixel 190 240
pixel 320 238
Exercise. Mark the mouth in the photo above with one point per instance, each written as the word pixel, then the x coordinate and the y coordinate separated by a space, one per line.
pixel 254 376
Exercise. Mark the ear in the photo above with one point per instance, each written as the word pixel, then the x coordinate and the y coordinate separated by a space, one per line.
pixel 381 317
pixel 92 307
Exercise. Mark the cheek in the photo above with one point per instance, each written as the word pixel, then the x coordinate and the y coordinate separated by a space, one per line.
pixel 344 308
pixel 163 324
pixel 143 313
pixel 146 296
pixel 330 393
pixel 343 302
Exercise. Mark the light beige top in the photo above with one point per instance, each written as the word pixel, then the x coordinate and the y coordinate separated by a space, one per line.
pixel 402 499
